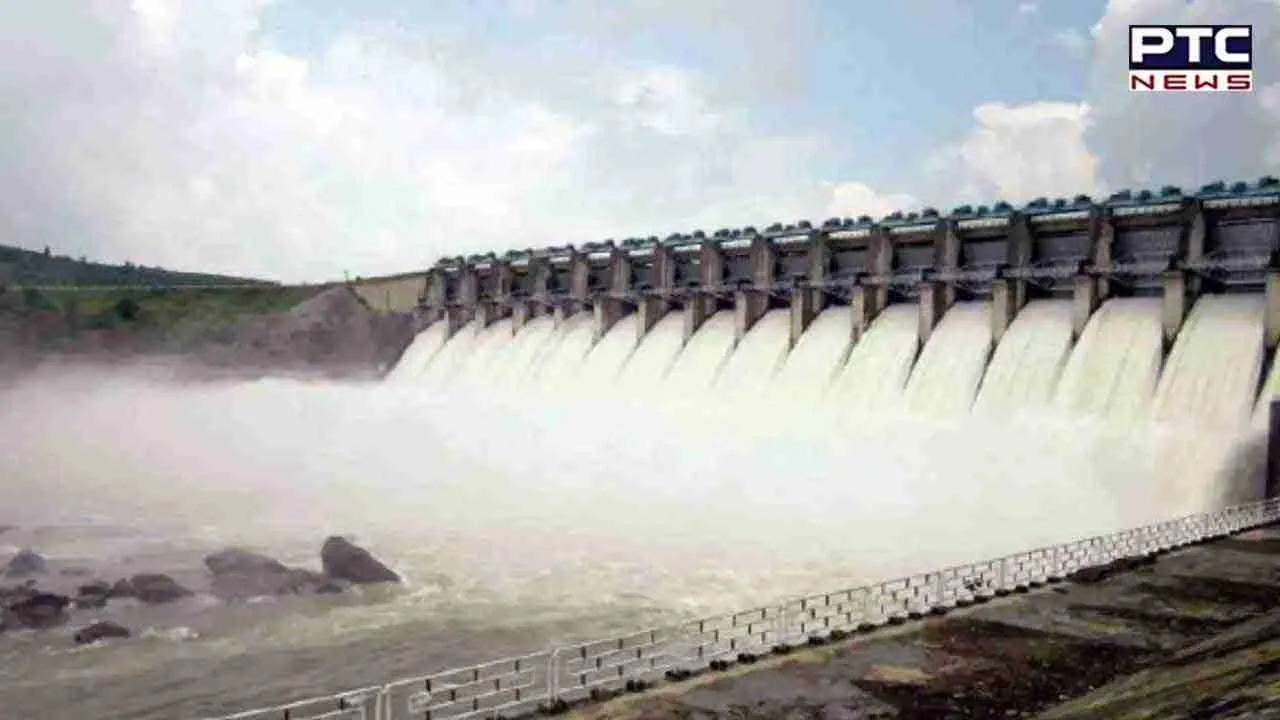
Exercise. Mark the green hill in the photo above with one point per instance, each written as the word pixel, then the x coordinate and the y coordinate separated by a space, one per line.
pixel 25 268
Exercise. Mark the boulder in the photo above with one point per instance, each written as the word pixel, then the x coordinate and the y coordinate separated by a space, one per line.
pixel 123 588
pixel 155 588
pixel 93 595
pixel 26 563
pixel 239 574
pixel 40 610
pixel 244 562
pixel 346 561
pixel 101 631
pixel 12 594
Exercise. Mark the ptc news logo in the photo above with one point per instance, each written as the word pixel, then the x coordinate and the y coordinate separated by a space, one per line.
pixel 1190 58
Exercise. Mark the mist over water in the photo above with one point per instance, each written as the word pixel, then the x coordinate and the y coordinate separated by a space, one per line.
pixel 542 477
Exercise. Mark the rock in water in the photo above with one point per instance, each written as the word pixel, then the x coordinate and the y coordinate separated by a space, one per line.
pixel 346 561
pixel 122 589
pixel 26 563
pixel 240 574
pixel 40 610
pixel 155 588
pixel 11 595
pixel 93 595
pixel 235 560
pixel 101 631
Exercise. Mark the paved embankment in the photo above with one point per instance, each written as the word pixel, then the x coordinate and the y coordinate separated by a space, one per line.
pixel 1192 634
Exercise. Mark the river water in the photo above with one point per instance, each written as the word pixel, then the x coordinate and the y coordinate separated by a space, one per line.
pixel 522 516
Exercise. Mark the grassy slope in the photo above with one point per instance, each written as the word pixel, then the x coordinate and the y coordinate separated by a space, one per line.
pixel 19 267
pixel 174 320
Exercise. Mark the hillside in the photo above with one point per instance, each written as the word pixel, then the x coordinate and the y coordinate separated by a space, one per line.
pixel 254 330
pixel 20 267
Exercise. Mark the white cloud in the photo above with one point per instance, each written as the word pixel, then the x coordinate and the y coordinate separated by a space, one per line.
pixel 174 132
pixel 1019 152
pixel 1028 8
pixel 851 199
pixel 1071 41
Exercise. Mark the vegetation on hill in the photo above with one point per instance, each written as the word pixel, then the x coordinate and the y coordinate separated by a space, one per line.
pixel 155 320
pixel 55 309
pixel 20 267
pixel 314 330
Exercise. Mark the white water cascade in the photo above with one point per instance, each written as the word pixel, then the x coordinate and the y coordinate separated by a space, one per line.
pixel 880 363
pixel 527 347
pixel 1113 369
pixel 817 357
pixel 654 356
pixel 748 371
pixel 413 362
pixel 1212 373
pixel 950 367
pixel 1027 363
pixel 487 353
pixel 703 356
pixel 559 367
pixel 452 358
pixel 604 362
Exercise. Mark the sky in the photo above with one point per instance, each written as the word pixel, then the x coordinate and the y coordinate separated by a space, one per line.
pixel 299 140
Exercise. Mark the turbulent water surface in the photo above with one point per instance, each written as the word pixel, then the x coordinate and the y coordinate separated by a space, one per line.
pixel 549 485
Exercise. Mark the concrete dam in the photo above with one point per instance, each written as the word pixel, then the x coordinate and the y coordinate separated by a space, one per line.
pixel 785 436
pixel 1149 304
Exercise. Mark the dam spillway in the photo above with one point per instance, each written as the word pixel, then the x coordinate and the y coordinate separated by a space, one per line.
pixel 1070 305
pixel 901 395
pixel 913 349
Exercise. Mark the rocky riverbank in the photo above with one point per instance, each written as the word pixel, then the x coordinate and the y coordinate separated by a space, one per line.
pixel 235 574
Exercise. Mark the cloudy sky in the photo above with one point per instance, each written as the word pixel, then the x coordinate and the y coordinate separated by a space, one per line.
pixel 298 139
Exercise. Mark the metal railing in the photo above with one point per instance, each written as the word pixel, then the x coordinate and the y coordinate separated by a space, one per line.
pixel 551 679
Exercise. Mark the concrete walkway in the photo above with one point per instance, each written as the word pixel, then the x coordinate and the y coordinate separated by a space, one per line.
pixel 1192 634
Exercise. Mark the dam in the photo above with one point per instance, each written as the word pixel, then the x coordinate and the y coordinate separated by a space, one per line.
pixel 604 467
pixel 926 375
pixel 989 309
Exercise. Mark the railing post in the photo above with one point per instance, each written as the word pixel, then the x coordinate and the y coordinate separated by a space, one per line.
pixel 553 679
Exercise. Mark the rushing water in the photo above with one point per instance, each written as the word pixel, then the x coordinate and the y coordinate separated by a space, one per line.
pixel 543 485
pixel 1113 370
pixel 819 354
pixel 880 363
pixel 949 369
pixel 751 367
pixel 1026 366
pixel 702 357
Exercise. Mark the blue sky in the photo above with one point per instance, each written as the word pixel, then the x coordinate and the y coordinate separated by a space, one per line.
pixel 300 139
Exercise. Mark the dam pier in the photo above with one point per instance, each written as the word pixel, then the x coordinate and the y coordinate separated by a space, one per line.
pixel 1166 244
